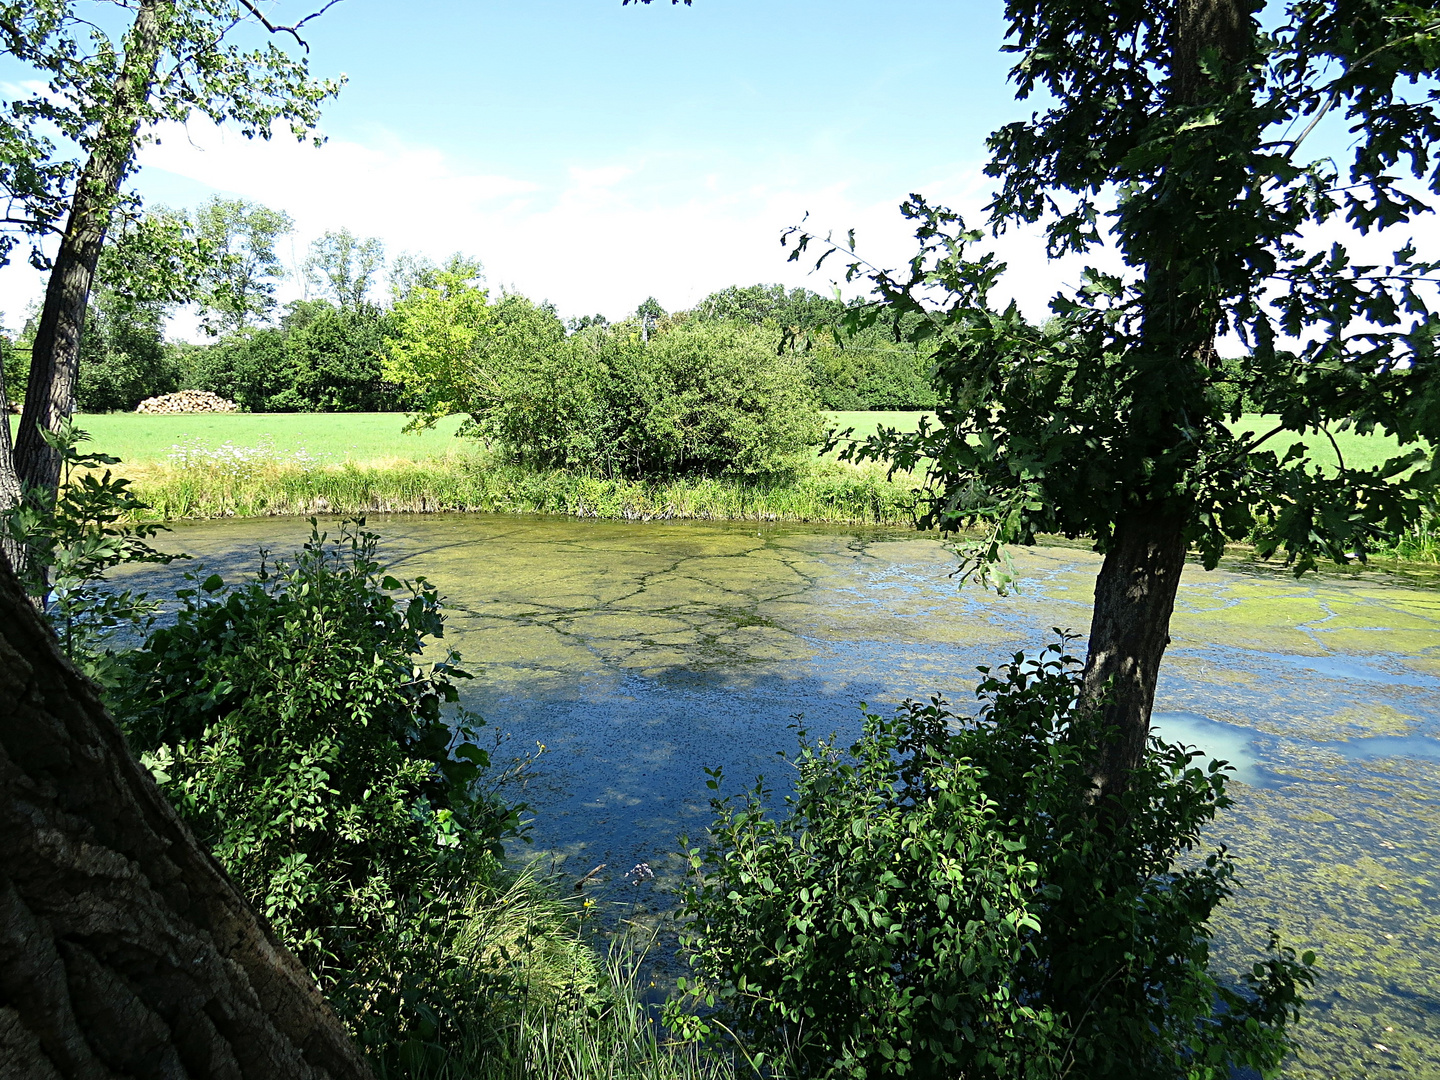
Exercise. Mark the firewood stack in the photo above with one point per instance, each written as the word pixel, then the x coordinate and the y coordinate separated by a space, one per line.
pixel 186 401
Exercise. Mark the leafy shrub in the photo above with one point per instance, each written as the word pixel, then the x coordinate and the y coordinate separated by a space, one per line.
pixel 941 900
pixel 336 359
pixel 292 723
pixel 445 336
pixel 663 399
pixel 251 369
pixel 872 376
pixel 871 371
pixel 696 399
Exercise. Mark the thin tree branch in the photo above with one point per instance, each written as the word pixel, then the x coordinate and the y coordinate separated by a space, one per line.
pixel 1330 101
pixel 1334 95
pixel 1246 447
pixel 293 31
pixel 1338 455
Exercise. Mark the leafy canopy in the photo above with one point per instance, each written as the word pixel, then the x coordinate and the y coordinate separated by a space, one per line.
pixel 344 266
pixel 219 60
pixel 1192 166
pixel 237 284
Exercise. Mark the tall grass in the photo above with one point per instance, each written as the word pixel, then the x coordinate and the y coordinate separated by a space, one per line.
pixel 256 482
pixel 615 1037
pixel 1418 544
pixel 533 999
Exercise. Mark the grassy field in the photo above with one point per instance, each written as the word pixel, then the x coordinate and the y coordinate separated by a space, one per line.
pixel 328 438
pixel 1360 451
pixel 333 438
pixel 245 465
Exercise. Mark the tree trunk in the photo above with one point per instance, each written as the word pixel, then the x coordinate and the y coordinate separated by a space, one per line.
pixel 1135 590
pixel 1134 597
pixel 50 392
pixel 125 951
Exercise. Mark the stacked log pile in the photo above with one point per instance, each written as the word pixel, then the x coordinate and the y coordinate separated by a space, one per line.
pixel 187 401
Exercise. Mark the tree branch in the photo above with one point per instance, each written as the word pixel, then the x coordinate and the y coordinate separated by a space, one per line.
pixel 293 31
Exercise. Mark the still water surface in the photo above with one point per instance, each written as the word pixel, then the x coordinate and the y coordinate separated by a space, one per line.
pixel 640 653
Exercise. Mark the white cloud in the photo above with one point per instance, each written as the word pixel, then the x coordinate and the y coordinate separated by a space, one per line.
pixel 595 236
pixel 600 236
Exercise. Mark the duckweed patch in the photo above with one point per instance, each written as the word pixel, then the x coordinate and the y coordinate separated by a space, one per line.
pixel 640 653
pixel 1379 719
pixel 1334 866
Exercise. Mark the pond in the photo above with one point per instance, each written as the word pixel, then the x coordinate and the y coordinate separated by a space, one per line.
pixel 641 653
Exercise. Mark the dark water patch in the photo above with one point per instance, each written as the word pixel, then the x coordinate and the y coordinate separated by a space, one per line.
pixel 1387 746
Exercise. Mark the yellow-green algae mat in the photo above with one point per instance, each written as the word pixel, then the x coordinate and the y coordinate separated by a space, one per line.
pixel 641 653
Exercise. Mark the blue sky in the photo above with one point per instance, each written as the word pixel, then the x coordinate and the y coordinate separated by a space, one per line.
pixel 594 154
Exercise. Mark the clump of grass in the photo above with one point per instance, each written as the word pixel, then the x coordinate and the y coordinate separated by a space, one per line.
pixel 210 484
pixel 534 1000
pixel 1418 544
pixel 615 1037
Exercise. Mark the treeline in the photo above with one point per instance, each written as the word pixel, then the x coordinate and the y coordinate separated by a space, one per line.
pixel 329 352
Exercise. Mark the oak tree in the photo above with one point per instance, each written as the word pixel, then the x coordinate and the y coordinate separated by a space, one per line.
pixel 1178 137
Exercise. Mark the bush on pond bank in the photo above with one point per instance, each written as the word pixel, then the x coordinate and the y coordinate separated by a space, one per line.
pixel 293 725
pixel 679 398
pixel 696 400
pixel 944 899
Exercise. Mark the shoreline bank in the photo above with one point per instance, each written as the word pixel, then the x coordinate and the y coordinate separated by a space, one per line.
pixel 826 493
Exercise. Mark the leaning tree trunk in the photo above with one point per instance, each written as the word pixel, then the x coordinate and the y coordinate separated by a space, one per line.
pixel 1135 590
pixel 125 951
pixel 1134 597
pixel 55 361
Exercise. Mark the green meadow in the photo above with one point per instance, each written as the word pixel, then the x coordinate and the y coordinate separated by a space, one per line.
pixel 329 438
pixel 267 464
pixel 334 438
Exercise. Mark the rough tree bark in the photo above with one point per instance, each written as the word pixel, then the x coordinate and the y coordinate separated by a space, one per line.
pixel 50 391
pixel 1134 598
pixel 1135 589
pixel 124 949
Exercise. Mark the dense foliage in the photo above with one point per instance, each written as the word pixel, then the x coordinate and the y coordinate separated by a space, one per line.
pixel 695 399
pixel 873 368
pixel 941 899
pixel 123 360
pixel 664 397
pixel 319 359
pixel 294 724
